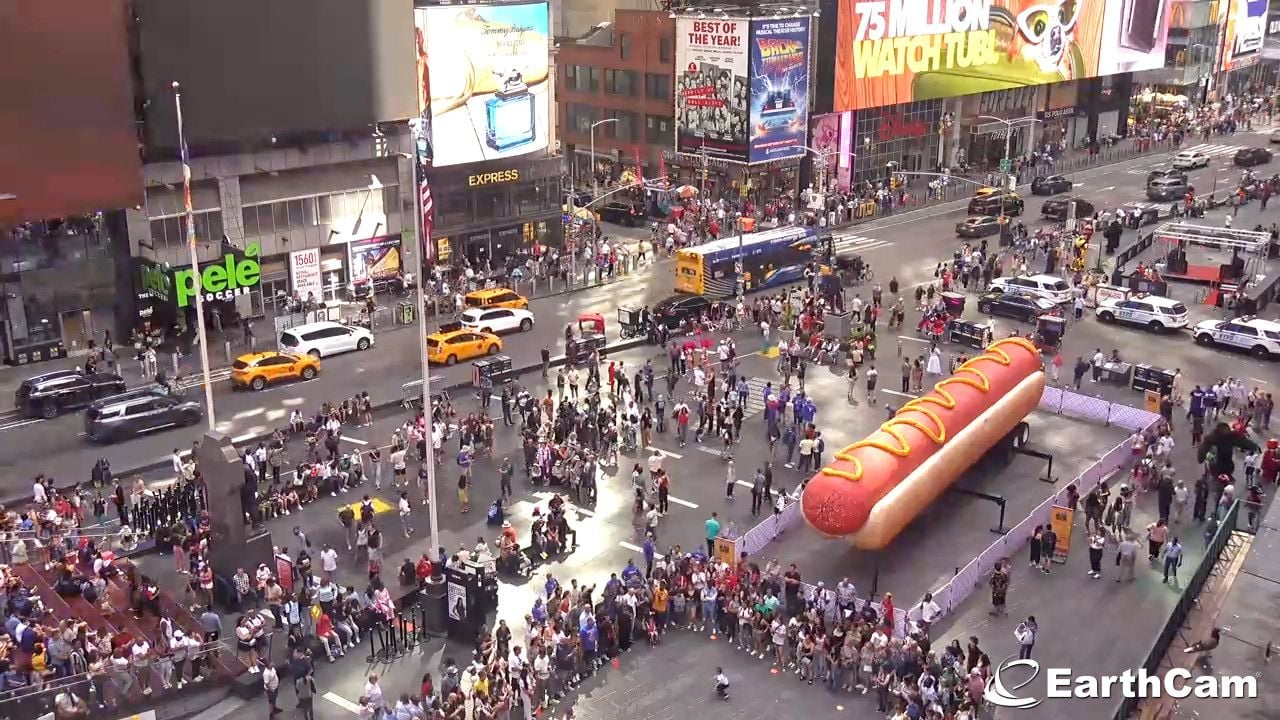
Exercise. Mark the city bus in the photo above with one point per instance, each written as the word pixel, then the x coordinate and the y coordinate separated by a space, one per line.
pixel 770 258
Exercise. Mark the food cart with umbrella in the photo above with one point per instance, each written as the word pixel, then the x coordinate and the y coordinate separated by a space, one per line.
pixel 686 192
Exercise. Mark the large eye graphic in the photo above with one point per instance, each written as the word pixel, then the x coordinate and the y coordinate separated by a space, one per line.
pixel 1068 13
pixel 1034 23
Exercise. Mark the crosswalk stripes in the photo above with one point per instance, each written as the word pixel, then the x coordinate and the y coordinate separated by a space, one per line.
pixel 849 243
pixel 1213 149
pixel 755 397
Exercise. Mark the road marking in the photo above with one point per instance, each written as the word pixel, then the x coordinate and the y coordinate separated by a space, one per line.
pixel 23 423
pixel 1264 382
pixel 1108 188
pixel 638 549
pixel 913 339
pixel 342 702
pixel 664 453
pixel 899 394
pixel 686 503
pixel 744 484
pixel 357 441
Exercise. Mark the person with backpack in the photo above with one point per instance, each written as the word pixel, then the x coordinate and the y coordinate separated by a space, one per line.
pixel 347 517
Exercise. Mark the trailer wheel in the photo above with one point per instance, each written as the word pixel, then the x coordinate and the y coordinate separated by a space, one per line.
pixel 1020 435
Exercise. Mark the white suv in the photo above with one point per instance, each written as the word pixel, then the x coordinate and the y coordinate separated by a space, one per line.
pixel 1254 335
pixel 497 320
pixel 1155 312
pixel 1053 289
pixel 1190 160
pixel 322 339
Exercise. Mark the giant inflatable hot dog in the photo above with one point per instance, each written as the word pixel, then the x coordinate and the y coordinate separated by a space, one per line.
pixel 878 485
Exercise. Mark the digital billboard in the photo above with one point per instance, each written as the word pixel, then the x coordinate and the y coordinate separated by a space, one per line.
pixel 66 121
pixel 898 51
pixel 1244 29
pixel 779 88
pixel 712 89
pixel 483 80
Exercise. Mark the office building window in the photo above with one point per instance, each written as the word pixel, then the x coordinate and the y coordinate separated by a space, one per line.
pixel 492 205
pixel 657 130
pixel 624 46
pixel 581 117
pixel 582 78
pixel 657 86
pixel 625 127
pixel 620 82
pixel 172 231
pixel 664 49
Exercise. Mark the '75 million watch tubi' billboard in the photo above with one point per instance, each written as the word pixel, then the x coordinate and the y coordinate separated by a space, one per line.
pixel 896 51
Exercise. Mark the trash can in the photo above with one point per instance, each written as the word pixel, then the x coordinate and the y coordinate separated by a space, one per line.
pixel 406 313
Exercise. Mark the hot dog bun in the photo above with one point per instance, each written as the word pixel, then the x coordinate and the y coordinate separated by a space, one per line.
pixel 842 497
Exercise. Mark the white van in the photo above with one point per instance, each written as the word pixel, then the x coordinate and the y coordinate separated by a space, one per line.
pixel 322 339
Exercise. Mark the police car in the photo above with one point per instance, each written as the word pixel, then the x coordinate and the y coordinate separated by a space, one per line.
pixel 1155 312
pixel 1254 335
pixel 1048 287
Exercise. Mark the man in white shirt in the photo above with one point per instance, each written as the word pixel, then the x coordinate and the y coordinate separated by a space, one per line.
pixel 39 495
pixel 329 561
pixel 271 685
pixel 373 692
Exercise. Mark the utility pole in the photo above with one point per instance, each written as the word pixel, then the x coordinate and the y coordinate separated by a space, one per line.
pixel 702 186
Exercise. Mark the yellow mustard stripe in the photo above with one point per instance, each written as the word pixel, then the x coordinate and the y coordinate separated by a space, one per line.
pixel 944 400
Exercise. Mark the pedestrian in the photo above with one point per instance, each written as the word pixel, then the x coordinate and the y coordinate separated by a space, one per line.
pixel 271 685
pixel 713 531
pixel 999 588
pixel 757 493
pixel 1025 634
pixel 1157 533
pixel 305 688
pixel 1172 560
pixel 1035 546
pixel 1126 556
pixel 1048 546
pixel 405 509
pixel 1097 541
pixel 730 480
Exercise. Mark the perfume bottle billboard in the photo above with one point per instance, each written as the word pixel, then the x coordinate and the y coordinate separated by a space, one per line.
pixel 484 80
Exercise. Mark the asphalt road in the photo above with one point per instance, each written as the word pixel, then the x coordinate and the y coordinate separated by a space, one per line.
pixel 907 246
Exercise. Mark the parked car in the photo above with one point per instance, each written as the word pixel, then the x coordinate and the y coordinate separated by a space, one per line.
pixel 1174 173
pixel 1058 208
pixel 49 394
pixel 118 418
pixel 1049 287
pixel 1154 312
pixel 324 338
pixel 679 307
pixel 1249 157
pixel 496 297
pixel 1020 306
pixel 978 226
pixel 623 213
pixel 1050 185
pixel 1006 201
pixel 1274 136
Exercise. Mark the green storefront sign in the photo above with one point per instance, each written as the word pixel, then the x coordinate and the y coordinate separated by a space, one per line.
pixel 223 281
pixel 155 281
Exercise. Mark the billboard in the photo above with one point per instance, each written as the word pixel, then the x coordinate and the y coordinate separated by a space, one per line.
pixel 779 88
pixel 1244 29
pixel 374 259
pixel 66 121
pixel 304 274
pixel 898 51
pixel 712 89
pixel 253 70
pixel 483 80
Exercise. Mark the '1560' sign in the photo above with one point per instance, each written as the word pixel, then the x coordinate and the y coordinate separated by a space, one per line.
pixel 222 281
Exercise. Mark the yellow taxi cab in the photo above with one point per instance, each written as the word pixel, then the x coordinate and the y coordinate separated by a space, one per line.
pixel 448 346
pixel 496 297
pixel 256 370
pixel 985 191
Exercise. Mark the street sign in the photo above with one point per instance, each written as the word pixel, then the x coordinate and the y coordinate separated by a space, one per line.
pixel 1005 165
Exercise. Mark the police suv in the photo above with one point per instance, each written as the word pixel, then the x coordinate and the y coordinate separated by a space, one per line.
pixel 1153 311
pixel 1255 335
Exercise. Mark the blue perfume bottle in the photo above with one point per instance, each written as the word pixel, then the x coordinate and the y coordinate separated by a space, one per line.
pixel 510 114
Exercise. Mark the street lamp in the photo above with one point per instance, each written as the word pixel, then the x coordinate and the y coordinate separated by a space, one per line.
pixel 1007 163
pixel 595 191
pixel 424 242
pixel 822 164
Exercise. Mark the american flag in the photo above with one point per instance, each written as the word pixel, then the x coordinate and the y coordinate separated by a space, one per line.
pixel 428 218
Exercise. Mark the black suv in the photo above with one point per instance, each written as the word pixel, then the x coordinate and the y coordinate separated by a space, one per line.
pixel 623 213
pixel 679 307
pixel 49 394
pixel 125 416
pixel 1248 157
pixel 1058 208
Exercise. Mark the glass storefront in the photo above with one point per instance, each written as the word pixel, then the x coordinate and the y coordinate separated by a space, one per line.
pixel 59 283
pixel 899 137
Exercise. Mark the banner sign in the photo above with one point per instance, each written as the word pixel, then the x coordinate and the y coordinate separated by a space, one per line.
pixel 779 88
pixel 483 73
pixel 304 274
pixel 711 87
pixel 897 51
pixel 1243 32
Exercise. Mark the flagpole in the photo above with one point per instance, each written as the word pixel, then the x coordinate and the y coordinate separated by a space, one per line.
pixel 190 217
pixel 424 204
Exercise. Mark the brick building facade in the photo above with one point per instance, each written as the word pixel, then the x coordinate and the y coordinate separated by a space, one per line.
pixel 622 73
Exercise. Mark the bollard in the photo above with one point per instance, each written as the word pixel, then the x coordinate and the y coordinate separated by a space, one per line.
pixel 226 347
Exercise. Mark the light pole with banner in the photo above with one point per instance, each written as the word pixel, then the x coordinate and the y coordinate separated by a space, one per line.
pixel 190 218
pixel 423 223
pixel 595 192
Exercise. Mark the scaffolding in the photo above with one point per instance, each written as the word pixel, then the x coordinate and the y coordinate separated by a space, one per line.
pixel 1251 245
